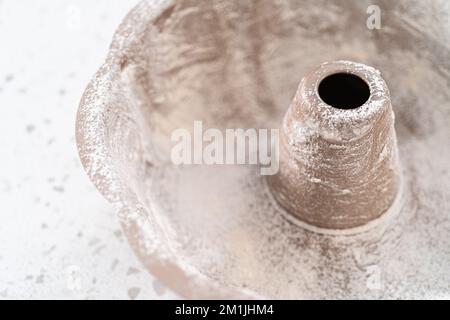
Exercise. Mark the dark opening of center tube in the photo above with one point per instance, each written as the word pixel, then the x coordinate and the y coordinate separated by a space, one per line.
pixel 344 91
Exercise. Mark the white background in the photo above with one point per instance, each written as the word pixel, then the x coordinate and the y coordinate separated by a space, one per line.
pixel 58 237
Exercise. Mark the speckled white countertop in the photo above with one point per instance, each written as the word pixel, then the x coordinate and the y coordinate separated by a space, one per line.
pixel 59 239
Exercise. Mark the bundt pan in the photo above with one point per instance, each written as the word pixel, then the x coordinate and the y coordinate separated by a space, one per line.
pixel 360 205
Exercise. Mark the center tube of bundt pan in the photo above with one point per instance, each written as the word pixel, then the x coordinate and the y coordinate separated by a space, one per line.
pixel 338 149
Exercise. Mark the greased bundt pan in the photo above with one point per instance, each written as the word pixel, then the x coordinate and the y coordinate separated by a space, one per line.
pixel 359 208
